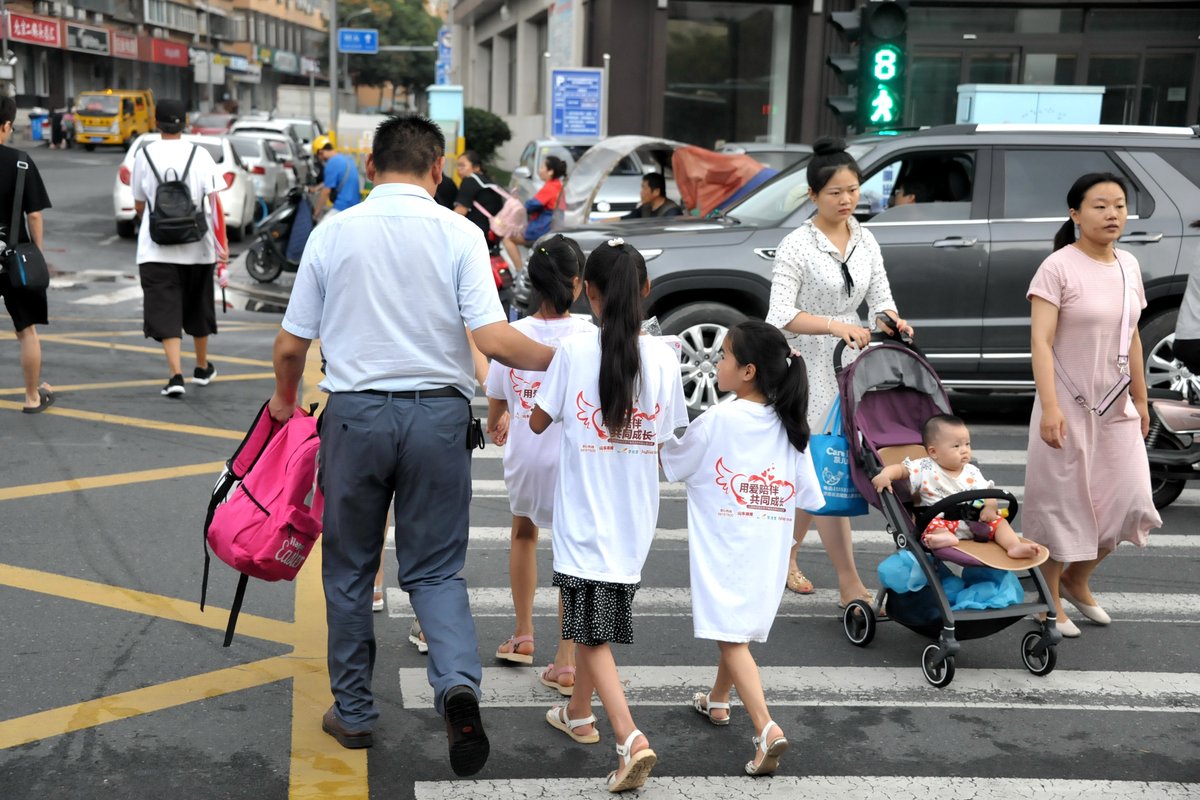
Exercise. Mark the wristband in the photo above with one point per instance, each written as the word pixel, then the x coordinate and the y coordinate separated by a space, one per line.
pixel 829 325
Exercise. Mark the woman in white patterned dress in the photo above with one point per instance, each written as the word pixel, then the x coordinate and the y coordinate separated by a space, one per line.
pixel 824 270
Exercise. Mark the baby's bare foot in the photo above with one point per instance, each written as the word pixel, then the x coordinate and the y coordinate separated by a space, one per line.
pixel 1023 550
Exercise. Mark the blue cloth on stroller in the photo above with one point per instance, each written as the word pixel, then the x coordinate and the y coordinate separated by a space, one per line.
pixel 979 587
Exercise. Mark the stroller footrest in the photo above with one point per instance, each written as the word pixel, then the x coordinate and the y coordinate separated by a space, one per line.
pixel 1015 610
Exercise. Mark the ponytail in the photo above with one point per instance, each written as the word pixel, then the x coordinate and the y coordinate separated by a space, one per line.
pixel 617 272
pixel 779 375
pixel 555 264
pixel 1065 235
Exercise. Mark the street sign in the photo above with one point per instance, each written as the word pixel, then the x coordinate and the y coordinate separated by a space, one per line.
pixel 442 65
pixel 358 40
pixel 577 103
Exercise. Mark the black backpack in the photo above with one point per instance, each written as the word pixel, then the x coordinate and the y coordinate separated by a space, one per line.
pixel 174 218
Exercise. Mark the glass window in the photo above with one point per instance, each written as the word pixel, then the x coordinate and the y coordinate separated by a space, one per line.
pixel 105 104
pixel 1118 74
pixel 942 19
pixel 1036 181
pixel 938 178
pixel 1166 81
pixel 991 67
pixel 933 89
pixel 246 148
pixel 1049 69
pixel 1124 20
pixel 1186 160
pixel 776 199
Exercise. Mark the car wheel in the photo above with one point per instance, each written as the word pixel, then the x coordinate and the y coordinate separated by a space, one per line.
pixel 702 328
pixel 126 228
pixel 1163 370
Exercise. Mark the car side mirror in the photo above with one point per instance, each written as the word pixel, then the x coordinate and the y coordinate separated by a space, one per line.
pixel 522 172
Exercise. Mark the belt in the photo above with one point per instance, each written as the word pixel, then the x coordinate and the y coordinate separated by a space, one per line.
pixel 445 391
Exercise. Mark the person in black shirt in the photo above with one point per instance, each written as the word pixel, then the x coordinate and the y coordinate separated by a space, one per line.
pixel 654 200
pixel 27 307
pixel 470 170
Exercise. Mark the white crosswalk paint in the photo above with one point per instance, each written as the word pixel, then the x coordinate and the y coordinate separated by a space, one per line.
pixel 903 686
pixel 811 787
pixel 658 601
pixel 110 298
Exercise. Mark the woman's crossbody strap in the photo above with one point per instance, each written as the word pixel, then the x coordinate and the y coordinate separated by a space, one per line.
pixel 1122 352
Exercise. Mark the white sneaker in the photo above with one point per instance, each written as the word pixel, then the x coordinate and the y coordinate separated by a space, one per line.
pixel 377 601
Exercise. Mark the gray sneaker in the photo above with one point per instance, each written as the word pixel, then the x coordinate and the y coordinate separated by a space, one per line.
pixel 417 637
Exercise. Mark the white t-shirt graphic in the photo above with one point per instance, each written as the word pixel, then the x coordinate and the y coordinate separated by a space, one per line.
pixel 606 497
pixel 170 156
pixel 745 481
pixel 531 460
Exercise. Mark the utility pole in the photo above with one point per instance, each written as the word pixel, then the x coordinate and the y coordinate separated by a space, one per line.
pixel 212 57
pixel 333 65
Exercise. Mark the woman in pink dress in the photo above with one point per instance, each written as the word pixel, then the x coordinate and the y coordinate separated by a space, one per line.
pixel 1087 481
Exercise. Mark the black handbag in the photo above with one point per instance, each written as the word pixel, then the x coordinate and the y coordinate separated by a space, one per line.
pixel 24 264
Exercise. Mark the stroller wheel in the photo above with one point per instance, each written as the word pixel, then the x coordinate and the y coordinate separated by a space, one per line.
pixel 1038 664
pixel 858 621
pixel 941 674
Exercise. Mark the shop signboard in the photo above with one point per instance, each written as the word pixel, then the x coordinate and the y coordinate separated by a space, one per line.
pixel 577 104
pixel 239 63
pixel 124 45
pixel 34 30
pixel 310 66
pixel 286 61
pixel 251 74
pixel 163 51
pixel 87 40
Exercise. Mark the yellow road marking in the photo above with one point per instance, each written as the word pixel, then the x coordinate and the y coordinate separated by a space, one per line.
pixel 87 387
pixel 108 481
pixel 65 338
pixel 133 422
pixel 153 605
pixel 116 707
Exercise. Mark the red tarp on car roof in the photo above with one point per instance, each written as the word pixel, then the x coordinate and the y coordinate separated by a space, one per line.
pixel 706 178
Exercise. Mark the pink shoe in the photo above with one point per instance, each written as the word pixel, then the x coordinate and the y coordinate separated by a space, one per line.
pixel 552 676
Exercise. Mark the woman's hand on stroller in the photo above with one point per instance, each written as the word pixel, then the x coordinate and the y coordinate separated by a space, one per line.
pixel 853 335
pixel 890 322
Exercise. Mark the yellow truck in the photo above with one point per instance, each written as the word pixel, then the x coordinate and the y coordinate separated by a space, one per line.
pixel 113 116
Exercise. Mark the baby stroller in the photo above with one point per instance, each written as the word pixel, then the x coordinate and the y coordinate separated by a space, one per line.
pixel 887 393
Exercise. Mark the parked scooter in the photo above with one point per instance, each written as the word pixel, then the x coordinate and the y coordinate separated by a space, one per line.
pixel 1173 445
pixel 280 238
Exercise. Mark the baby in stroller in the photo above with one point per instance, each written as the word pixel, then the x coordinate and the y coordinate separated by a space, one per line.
pixel 947 470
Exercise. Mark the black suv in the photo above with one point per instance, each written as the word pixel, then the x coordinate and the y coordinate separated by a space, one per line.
pixel 960 262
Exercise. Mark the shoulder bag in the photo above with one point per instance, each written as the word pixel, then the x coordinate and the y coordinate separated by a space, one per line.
pixel 1118 389
pixel 23 262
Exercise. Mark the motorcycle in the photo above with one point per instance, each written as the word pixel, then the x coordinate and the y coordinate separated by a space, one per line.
pixel 1173 444
pixel 280 238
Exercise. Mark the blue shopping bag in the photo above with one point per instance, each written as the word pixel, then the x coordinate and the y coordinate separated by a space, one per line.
pixel 830 453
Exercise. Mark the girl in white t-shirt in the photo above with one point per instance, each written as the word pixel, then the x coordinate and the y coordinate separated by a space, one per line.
pixel 531 461
pixel 618 395
pixel 747 471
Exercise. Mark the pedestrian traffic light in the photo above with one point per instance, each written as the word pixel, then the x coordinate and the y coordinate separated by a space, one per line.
pixel 845 66
pixel 882 64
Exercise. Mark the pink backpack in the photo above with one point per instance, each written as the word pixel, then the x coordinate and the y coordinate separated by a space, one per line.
pixel 264 516
pixel 510 220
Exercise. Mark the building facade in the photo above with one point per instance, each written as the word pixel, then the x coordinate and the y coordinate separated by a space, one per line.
pixel 704 72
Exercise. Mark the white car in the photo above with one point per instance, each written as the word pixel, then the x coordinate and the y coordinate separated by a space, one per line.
pixel 237 198
pixel 265 165
pixel 303 129
pixel 280 126
pixel 291 157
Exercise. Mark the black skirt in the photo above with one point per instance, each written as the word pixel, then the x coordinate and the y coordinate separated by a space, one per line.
pixel 596 612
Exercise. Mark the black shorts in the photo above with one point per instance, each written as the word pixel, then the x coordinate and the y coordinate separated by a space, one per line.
pixel 25 306
pixel 178 299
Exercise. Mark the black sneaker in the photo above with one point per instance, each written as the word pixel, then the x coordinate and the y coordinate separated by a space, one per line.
pixel 174 387
pixel 468 743
pixel 203 377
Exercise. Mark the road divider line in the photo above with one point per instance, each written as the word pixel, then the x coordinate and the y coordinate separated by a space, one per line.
pixel 65 338
pixel 134 422
pixel 812 787
pixel 87 387
pixel 108 481
pixel 903 686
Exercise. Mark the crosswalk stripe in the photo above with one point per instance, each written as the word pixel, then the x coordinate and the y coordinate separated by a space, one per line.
pixel 903 687
pixel 110 298
pixel 657 601
pixel 812 787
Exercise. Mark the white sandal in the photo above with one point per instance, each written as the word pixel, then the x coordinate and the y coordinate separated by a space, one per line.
pixel 771 752
pixel 703 702
pixel 637 766
pixel 557 717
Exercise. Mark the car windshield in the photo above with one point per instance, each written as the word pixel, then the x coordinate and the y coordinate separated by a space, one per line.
pixel 211 121
pixel 779 197
pixel 98 104
pixel 304 131
pixel 246 148
pixel 280 148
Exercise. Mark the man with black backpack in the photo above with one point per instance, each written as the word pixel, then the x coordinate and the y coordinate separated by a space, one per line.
pixel 181 239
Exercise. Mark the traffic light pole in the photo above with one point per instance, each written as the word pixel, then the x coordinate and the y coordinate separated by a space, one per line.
pixel 333 66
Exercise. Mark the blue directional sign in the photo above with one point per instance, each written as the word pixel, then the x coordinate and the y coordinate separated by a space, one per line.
pixel 442 65
pixel 576 103
pixel 358 40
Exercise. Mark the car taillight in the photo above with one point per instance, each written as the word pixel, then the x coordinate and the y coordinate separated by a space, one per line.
pixel 288 165
pixel 124 174
pixel 258 170
pixel 229 176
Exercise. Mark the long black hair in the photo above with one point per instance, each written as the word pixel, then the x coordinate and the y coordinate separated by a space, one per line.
pixel 829 155
pixel 556 165
pixel 1075 195
pixel 555 264
pixel 779 375
pixel 617 272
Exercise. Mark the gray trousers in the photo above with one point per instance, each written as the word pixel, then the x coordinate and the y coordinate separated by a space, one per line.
pixel 374 446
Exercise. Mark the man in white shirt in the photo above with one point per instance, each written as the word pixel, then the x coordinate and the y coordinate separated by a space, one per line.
pixel 390 287
pixel 177 279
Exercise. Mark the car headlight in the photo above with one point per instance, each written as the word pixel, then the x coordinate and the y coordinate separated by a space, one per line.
pixel 115 127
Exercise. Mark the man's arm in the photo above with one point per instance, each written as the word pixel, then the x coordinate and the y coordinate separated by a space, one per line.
pixel 34 222
pixel 504 343
pixel 289 356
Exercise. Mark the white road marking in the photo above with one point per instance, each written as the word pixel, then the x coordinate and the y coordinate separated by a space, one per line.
pixel 110 240
pixel 904 687
pixel 656 601
pixel 810 787
pixel 111 298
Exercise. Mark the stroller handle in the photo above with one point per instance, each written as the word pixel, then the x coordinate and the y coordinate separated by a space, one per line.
pixel 877 337
pixel 948 504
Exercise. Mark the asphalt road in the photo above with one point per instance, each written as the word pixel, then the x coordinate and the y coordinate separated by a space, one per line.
pixel 114 685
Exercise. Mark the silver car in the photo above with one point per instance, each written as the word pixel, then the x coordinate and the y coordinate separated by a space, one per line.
pixel 266 169
pixel 620 194
pixel 295 163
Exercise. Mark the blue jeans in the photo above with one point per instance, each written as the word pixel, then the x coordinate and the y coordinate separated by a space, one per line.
pixel 374 447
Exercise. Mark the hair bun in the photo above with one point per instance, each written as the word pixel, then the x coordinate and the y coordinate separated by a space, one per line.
pixel 829 145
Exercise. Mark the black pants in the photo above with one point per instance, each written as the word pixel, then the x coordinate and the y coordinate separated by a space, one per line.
pixel 1188 351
